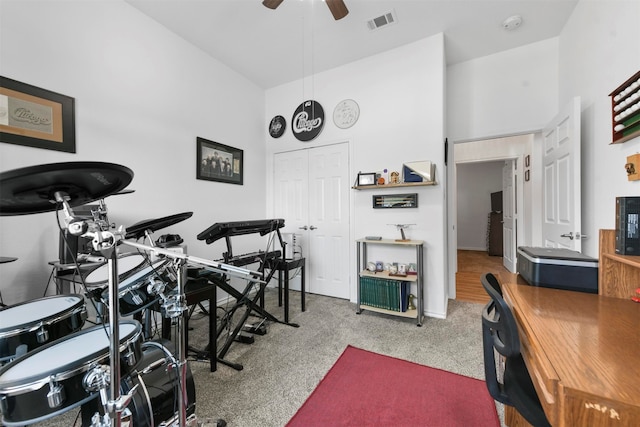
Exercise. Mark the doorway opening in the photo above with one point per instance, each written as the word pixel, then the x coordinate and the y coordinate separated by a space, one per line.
pixel 506 154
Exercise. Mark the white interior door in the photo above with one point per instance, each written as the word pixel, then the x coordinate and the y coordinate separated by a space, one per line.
pixel 312 195
pixel 561 227
pixel 509 215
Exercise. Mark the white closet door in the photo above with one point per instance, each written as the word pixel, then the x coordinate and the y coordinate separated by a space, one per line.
pixel 312 195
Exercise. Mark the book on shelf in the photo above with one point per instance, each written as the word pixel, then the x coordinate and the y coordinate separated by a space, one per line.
pixel 384 293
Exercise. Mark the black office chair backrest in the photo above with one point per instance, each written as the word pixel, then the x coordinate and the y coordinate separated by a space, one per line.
pixel 498 318
pixel 500 333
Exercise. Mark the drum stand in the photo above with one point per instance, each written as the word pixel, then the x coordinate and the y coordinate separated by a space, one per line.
pixel 173 307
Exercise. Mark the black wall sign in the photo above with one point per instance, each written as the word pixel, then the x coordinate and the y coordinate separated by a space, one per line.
pixel 277 126
pixel 307 121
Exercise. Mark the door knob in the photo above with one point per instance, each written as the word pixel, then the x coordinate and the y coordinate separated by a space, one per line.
pixel 569 235
pixel 313 228
pixel 304 228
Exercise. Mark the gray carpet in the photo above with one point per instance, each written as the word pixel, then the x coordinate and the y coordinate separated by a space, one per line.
pixel 283 367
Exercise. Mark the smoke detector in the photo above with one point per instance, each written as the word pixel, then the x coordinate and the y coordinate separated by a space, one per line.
pixel 512 22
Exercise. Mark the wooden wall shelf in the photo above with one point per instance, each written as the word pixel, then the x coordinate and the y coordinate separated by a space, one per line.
pixel 403 184
pixel 625 114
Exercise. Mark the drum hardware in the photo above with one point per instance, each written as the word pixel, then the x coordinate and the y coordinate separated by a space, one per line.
pixel 56 395
pixel 55 186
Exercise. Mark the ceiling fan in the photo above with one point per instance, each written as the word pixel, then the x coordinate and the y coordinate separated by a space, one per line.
pixel 337 7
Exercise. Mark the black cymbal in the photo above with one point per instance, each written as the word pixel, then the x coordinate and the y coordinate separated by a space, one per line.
pixel 31 190
pixel 4 259
pixel 137 230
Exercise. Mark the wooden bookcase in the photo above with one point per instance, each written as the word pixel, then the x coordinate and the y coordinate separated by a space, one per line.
pixel 618 275
pixel 383 275
pixel 625 110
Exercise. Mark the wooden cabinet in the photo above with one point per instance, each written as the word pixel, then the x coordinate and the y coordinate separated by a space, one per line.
pixel 417 279
pixel 618 275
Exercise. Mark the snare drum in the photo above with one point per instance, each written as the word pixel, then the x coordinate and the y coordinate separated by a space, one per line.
pixel 49 381
pixel 134 293
pixel 126 265
pixel 29 325
pixel 155 401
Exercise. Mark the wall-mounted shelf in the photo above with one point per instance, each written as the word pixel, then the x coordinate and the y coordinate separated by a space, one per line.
pixel 403 184
pixel 625 110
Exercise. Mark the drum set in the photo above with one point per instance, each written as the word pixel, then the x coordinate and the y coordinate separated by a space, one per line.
pixel 52 362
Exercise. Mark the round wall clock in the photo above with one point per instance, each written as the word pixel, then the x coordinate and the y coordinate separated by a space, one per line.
pixel 346 113
pixel 307 121
pixel 277 126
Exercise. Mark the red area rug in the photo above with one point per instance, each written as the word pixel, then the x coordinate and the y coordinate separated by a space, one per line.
pixel 365 388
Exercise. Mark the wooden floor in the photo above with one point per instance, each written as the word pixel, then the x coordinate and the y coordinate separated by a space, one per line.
pixel 471 265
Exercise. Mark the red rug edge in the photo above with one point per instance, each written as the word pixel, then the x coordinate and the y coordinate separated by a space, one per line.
pixel 351 347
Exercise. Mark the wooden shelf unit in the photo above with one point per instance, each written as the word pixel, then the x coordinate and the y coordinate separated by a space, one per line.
pixel 412 278
pixel 618 275
pixel 622 101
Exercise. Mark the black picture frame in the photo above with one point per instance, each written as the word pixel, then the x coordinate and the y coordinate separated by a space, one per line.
pixel 36 117
pixel 219 162
pixel 366 179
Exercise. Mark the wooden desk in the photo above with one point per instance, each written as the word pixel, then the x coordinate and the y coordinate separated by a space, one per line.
pixel 583 354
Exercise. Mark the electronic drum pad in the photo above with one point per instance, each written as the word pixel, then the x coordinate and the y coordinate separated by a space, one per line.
pixel 32 189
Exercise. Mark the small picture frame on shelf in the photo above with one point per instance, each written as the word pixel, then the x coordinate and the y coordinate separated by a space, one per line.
pixel 366 178
pixel 402 268
pixel 412 268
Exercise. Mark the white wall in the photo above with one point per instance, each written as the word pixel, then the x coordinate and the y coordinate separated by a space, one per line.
pixel 142 97
pixel 401 98
pixel 599 50
pixel 511 92
pixel 475 183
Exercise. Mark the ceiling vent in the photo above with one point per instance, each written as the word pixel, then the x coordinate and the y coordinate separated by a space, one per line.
pixel 382 21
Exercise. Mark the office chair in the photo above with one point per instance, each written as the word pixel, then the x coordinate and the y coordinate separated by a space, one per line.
pixel 500 332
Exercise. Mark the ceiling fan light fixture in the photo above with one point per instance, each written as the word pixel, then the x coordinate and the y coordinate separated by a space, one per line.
pixel 337 7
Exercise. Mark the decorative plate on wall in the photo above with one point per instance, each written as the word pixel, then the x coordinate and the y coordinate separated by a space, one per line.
pixel 307 121
pixel 346 113
pixel 277 126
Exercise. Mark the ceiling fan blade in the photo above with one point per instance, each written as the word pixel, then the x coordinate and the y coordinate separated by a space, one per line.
pixel 272 4
pixel 338 8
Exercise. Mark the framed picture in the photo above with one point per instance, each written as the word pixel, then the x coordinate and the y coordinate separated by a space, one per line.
pixel 36 117
pixel 366 178
pixel 218 162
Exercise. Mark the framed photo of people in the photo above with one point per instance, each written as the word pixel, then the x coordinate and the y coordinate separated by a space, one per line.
pixel 218 162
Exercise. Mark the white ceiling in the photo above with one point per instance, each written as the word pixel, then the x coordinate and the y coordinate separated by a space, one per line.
pixel 272 47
